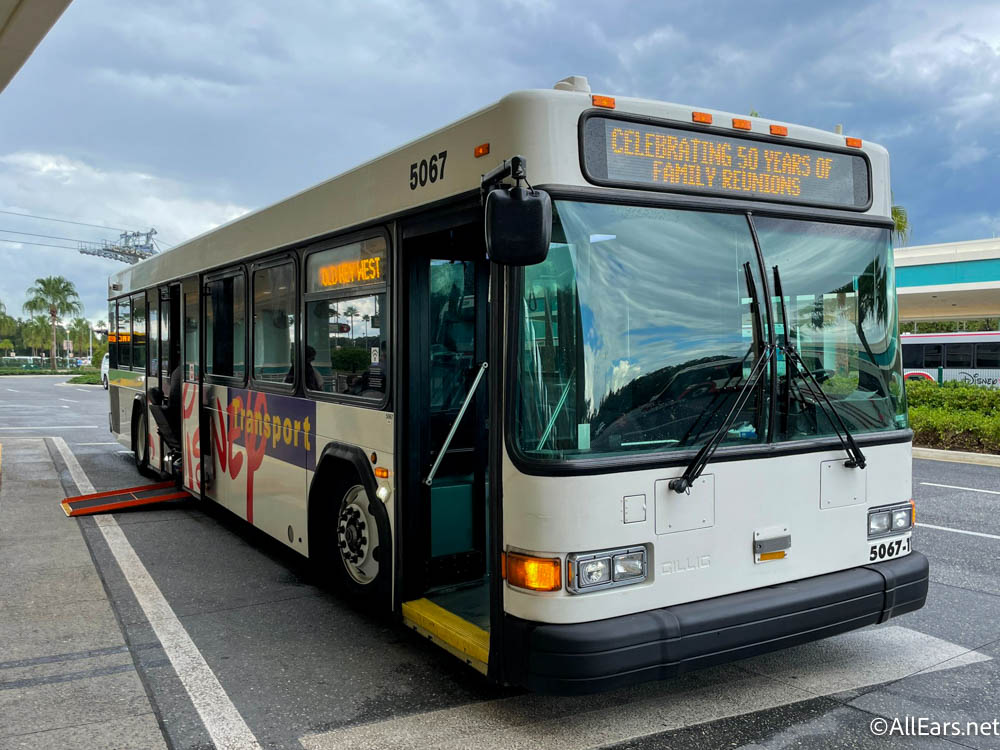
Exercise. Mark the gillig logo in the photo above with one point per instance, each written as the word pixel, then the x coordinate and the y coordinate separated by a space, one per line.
pixel 687 564
pixel 276 426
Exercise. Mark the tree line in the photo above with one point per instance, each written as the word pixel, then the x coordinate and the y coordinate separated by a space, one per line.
pixel 53 313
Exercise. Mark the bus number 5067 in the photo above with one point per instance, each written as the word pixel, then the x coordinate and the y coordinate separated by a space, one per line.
pixel 427 170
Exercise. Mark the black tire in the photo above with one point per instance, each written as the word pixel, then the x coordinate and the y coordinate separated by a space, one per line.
pixel 105 379
pixel 140 444
pixel 354 545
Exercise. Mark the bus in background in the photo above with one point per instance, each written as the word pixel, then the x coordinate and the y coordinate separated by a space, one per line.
pixel 967 357
pixel 586 390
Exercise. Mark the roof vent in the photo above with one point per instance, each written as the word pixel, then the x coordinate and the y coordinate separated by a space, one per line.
pixel 573 83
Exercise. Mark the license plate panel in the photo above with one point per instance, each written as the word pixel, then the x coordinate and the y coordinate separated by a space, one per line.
pixel 888 549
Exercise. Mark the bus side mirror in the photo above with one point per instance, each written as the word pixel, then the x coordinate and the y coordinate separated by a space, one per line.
pixel 518 226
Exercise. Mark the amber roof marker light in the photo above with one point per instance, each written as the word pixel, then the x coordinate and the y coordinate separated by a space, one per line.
pixel 481 150
pixel 741 124
pixel 779 130
pixel 701 117
pixel 853 142
pixel 607 102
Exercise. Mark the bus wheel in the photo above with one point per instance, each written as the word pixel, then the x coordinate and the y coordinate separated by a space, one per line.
pixel 140 444
pixel 358 541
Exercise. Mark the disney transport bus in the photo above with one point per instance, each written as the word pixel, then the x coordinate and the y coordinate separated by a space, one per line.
pixel 586 390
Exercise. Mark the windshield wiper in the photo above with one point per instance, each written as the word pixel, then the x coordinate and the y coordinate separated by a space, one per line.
pixel 856 459
pixel 684 482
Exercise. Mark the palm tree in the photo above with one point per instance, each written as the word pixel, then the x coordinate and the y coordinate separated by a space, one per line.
pixel 35 332
pixel 901 224
pixel 56 296
pixel 79 332
pixel 350 312
pixel 366 318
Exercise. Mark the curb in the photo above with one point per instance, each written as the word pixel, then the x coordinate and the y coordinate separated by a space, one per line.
pixel 961 457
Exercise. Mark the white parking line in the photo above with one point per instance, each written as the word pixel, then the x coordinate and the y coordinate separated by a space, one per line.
pixel 12 390
pixel 923 525
pixel 56 427
pixel 110 443
pixel 81 390
pixel 964 489
pixel 846 662
pixel 226 727
pixel 71 400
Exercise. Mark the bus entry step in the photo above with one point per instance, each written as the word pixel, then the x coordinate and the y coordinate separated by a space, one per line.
pixel 102 502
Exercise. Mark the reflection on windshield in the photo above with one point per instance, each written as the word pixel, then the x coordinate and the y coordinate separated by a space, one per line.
pixel 638 331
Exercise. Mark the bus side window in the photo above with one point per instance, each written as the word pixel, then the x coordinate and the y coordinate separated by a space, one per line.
pixel 274 328
pixel 139 332
pixel 225 326
pixel 124 318
pixel 988 356
pixel 913 355
pixel 958 355
pixel 191 336
pixel 932 355
pixel 112 337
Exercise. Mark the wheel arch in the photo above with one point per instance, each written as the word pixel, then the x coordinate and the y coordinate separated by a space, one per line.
pixel 336 456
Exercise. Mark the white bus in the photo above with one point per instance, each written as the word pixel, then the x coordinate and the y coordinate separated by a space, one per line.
pixel 644 416
pixel 969 357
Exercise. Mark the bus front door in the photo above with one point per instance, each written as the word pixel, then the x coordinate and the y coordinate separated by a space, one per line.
pixel 447 280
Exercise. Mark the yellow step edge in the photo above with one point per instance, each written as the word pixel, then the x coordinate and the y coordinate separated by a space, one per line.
pixel 449 629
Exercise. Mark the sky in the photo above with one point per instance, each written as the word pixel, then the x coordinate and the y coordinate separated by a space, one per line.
pixel 184 115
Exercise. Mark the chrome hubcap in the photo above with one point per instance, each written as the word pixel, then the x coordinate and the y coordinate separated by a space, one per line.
pixel 357 536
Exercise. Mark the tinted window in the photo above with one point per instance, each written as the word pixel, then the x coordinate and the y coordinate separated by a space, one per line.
pixel 124 334
pixel 112 337
pixel 274 324
pixel 913 355
pixel 139 332
pixel 191 336
pixel 932 355
pixel 988 355
pixel 346 346
pixel 225 325
pixel 959 355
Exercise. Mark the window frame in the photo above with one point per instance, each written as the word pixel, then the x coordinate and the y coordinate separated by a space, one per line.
pixel 264 265
pixel 127 298
pixel 232 380
pixel 919 349
pixel 144 369
pixel 947 356
pixel 975 359
pixel 941 355
pixel 342 294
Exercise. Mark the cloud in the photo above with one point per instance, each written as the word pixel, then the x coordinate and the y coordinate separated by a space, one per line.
pixel 57 185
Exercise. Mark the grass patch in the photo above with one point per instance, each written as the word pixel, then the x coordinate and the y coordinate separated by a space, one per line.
pixel 87 378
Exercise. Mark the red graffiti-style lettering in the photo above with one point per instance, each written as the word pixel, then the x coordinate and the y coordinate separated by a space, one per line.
pixel 225 439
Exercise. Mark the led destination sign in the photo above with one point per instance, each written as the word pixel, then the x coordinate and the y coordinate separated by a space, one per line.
pixel 665 158
pixel 355 265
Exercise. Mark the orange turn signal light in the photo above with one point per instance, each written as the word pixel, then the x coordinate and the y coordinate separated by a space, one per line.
pixel 780 555
pixel 381 472
pixel 481 150
pixel 741 124
pixel 853 142
pixel 779 130
pixel 703 117
pixel 913 513
pixel 533 573
pixel 608 102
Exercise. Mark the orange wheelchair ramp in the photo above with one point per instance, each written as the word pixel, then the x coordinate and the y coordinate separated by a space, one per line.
pixel 102 502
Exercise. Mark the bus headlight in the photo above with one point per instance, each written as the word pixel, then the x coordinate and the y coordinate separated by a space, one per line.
pixel 595 572
pixel 891 520
pixel 587 571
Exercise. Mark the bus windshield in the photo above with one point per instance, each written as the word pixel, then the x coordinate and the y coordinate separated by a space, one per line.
pixel 638 331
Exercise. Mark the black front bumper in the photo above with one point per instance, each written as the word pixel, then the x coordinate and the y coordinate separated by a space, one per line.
pixel 592 656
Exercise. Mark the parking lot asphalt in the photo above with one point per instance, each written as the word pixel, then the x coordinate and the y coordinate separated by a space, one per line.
pixel 86 660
